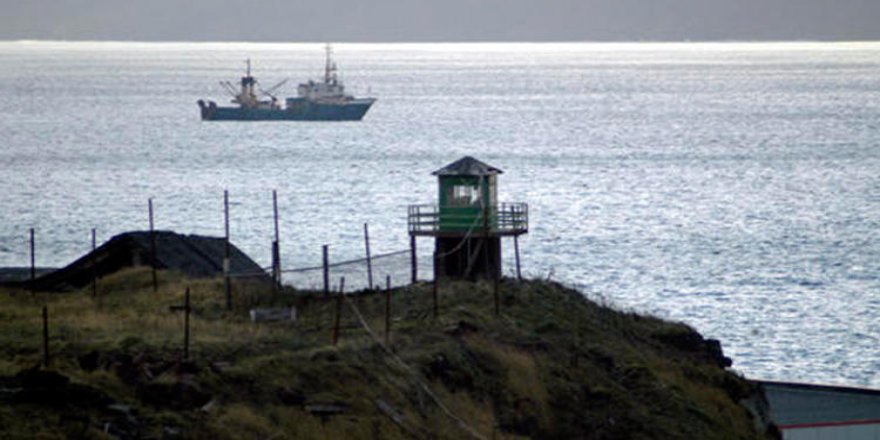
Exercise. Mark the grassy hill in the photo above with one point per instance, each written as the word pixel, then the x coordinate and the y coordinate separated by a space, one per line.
pixel 552 364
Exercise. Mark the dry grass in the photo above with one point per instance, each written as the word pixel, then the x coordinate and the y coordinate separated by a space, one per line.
pixel 552 365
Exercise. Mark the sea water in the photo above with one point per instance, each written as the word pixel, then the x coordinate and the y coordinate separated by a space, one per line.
pixel 734 187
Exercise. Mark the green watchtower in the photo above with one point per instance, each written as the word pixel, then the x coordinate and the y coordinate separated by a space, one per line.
pixel 467 221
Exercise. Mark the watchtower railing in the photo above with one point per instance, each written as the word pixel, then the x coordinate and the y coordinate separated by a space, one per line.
pixel 503 219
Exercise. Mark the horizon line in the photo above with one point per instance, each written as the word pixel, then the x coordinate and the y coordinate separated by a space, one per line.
pixel 499 42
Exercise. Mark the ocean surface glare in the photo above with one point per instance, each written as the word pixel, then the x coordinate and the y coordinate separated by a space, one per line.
pixel 730 186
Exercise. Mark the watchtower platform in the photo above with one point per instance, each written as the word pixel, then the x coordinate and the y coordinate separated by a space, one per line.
pixel 467 222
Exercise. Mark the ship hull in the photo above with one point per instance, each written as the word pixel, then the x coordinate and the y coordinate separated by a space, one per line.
pixel 301 111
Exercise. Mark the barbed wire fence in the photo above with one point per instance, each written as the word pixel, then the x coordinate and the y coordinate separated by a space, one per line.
pixel 356 273
pixel 367 272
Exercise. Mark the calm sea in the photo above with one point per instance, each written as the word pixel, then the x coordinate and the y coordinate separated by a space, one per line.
pixel 735 187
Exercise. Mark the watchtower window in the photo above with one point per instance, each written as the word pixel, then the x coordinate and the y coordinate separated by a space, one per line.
pixel 463 195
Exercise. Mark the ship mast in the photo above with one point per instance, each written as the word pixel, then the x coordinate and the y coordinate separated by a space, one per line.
pixel 247 81
pixel 329 66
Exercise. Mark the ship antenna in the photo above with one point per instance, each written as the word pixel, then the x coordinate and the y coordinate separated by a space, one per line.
pixel 248 67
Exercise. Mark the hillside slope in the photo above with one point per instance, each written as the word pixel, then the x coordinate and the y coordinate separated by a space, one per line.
pixel 552 364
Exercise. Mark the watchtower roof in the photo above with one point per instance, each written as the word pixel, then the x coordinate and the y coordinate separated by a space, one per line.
pixel 467 166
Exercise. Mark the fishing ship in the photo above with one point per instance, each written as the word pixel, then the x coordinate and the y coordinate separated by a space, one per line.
pixel 316 101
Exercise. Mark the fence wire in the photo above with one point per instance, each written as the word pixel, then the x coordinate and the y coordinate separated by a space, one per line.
pixel 397 265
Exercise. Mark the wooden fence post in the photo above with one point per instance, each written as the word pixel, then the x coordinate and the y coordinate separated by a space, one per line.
pixel 486 259
pixel 495 283
pixel 338 310
pixel 436 284
pixel 186 308
pixel 325 252
pixel 45 337
pixel 94 264
pixel 186 311
pixel 33 262
pixel 276 245
pixel 275 213
pixel 387 309
pixel 413 258
pixel 153 261
pixel 516 252
pixel 276 267
pixel 369 261
pixel 226 263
